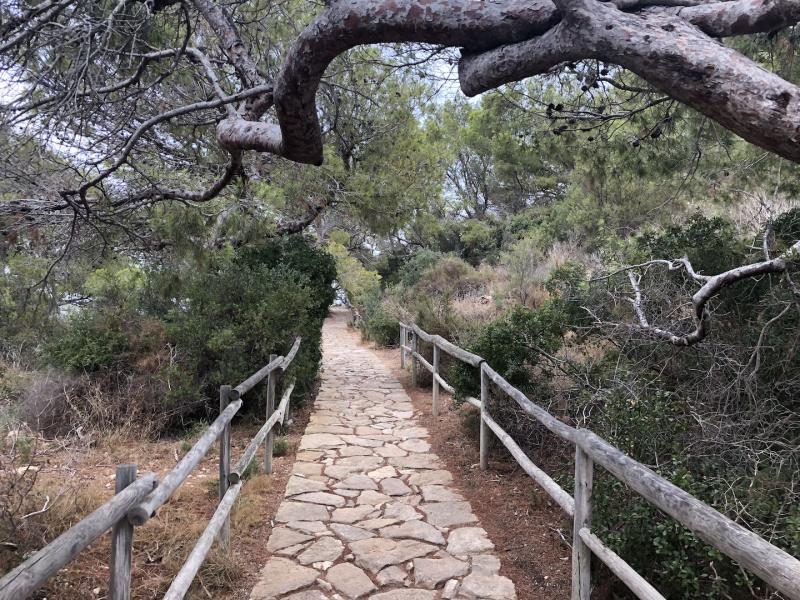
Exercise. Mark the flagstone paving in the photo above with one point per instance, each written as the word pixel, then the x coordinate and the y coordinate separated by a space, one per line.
pixel 370 511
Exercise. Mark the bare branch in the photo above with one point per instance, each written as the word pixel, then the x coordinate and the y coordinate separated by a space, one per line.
pixel 711 287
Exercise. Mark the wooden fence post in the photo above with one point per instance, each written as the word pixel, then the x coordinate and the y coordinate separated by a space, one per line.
pixel 224 463
pixel 119 586
pixel 414 350
pixel 402 347
pixel 581 554
pixel 484 449
pixel 435 407
pixel 269 442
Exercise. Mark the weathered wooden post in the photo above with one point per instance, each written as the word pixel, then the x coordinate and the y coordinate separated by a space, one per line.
pixel 269 442
pixel 119 585
pixel 581 554
pixel 414 346
pixel 402 347
pixel 435 407
pixel 224 463
pixel 484 449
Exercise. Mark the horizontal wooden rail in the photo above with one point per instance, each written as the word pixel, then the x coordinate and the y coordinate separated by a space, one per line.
pixel 424 362
pixel 141 513
pixel 138 502
pixel 770 563
pixel 459 353
pixel 281 362
pixel 257 377
pixel 774 566
pixel 424 336
pixel 230 480
pixel 252 447
pixel 556 492
pixel 27 577
pixel 450 348
pixel 474 401
pixel 292 353
pixel 562 430
pixel 445 386
pixel 635 582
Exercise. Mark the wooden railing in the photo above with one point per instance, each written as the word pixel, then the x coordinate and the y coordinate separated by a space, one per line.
pixel 774 566
pixel 137 500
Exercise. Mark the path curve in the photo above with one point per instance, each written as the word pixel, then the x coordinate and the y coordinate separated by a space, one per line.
pixel 369 511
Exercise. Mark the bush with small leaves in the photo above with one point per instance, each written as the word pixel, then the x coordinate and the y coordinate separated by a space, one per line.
pixel 280 447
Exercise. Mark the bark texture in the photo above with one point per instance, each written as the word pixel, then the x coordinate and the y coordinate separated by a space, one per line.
pixel 670 44
pixel 672 54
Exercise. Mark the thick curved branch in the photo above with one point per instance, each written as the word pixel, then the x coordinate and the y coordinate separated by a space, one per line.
pixel 669 47
pixel 672 54
pixel 741 17
pixel 350 23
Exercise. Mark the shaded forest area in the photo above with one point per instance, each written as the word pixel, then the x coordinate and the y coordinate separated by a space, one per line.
pixel 567 228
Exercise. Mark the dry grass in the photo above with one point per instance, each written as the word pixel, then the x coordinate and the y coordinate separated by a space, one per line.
pixel 79 477
pixel 752 210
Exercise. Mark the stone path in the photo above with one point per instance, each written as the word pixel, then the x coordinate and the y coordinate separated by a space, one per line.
pixel 369 511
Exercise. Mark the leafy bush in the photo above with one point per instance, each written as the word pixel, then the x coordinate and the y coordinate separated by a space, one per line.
pixel 154 347
pixel 249 305
pixel 295 253
pixel 654 425
pixel 786 228
pixel 522 265
pixel 710 243
pixel 280 447
pixel 450 277
pixel 88 342
pixel 411 272
pixel 512 344
pixel 377 323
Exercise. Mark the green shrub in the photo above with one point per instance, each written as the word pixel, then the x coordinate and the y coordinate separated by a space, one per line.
pixel 280 447
pixel 657 427
pixel 377 323
pixel 710 243
pixel 295 253
pixel 251 470
pixel 87 342
pixel 247 306
pixel 786 228
pixel 511 345
pixel 411 272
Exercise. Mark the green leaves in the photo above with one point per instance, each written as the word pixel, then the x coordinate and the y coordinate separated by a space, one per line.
pixel 88 342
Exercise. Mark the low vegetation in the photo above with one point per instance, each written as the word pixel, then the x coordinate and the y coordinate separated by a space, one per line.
pixel 133 369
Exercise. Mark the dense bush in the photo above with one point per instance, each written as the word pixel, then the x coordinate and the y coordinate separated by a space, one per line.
pixel 295 253
pixel 88 342
pixel 413 269
pixel 152 347
pixel 251 304
pixel 512 345
pixel 659 428
pixel 377 323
